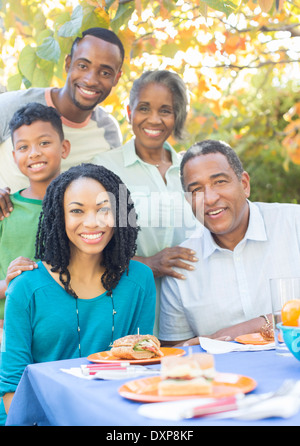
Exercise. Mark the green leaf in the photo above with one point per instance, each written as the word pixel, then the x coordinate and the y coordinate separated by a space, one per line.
pixel 14 82
pixel 108 3
pixel 39 79
pixel 122 16
pixel 169 5
pixel 227 7
pixel 49 50
pixel 169 49
pixel 26 82
pixel 39 21
pixel 72 27
pixel 91 19
pixel 61 19
pixel 48 68
pixel 42 35
pixel 27 62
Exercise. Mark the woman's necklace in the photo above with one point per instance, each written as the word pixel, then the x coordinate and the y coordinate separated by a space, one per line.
pixel 164 160
pixel 110 294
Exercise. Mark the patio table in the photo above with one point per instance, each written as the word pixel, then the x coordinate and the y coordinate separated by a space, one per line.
pixel 50 397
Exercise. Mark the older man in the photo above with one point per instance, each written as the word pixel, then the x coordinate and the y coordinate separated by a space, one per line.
pixel 241 246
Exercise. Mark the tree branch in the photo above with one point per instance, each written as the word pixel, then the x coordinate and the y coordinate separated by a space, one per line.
pixel 266 29
pixel 259 65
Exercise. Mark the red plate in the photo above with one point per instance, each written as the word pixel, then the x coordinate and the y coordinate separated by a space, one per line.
pixel 108 357
pixel 225 384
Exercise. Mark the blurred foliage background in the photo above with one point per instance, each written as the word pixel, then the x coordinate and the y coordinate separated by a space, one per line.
pixel 239 59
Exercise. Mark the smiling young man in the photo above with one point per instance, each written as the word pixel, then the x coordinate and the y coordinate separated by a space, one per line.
pixel 93 69
pixel 240 247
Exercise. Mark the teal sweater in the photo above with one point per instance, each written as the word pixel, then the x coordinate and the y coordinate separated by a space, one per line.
pixel 40 321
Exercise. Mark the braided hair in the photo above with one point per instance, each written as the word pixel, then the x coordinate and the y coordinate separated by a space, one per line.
pixel 52 243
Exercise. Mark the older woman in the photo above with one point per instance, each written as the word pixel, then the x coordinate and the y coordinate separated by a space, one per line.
pixel 149 167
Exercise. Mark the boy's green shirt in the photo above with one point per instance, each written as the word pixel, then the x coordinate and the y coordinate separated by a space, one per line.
pixel 18 234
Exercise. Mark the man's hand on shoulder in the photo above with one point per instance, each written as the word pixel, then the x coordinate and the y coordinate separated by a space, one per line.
pixel 6 206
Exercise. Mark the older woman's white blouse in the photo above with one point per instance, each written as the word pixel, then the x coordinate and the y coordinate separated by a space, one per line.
pixel 164 215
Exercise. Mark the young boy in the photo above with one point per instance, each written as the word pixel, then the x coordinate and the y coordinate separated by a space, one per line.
pixel 38 147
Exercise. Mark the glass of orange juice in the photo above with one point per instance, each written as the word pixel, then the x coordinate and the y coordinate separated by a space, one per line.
pixel 283 290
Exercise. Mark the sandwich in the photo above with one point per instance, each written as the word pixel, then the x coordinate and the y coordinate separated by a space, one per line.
pixel 187 375
pixel 136 347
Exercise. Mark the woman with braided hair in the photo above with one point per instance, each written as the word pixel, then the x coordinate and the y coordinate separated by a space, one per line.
pixel 87 291
pixel 53 244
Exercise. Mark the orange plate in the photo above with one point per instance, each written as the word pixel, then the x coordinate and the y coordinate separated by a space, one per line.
pixel 108 357
pixel 253 338
pixel 225 384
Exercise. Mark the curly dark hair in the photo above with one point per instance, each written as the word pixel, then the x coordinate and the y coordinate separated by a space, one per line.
pixel 33 112
pixel 52 243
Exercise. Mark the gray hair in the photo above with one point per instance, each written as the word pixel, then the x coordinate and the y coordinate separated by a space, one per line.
pixel 211 146
pixel 178 89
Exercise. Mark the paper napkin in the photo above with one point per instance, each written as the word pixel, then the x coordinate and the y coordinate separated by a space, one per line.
pixel 110 374
pixel 215 346
pixel 283 406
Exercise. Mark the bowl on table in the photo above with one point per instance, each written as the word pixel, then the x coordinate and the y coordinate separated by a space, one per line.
pixel 291 337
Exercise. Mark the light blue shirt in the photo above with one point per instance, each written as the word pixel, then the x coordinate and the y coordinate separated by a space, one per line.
pixel 229 287
pixel 164 215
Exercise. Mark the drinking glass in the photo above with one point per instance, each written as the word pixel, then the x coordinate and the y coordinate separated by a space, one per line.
pixel 282 290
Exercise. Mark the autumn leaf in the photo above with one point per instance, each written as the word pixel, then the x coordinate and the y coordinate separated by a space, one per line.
pixel 127 37
pixel 215 107
pixel 186 38
pixel 103 16
pixel 138 7
pixel 252 4
pixel 96 3
pixel 202 87
pixel 234 43
pixel 265 5
pixel 279 5
pixel 211 47
pixel 292 140
pixel 290 114
pixel 228 102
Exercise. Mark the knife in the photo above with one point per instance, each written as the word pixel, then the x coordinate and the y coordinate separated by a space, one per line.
pixel 219 405
pixel 238 401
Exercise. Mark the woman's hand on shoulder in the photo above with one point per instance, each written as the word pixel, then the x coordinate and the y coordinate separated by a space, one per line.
pixel 163 263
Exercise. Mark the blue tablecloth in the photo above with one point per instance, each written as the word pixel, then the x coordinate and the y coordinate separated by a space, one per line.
pixel 48 396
